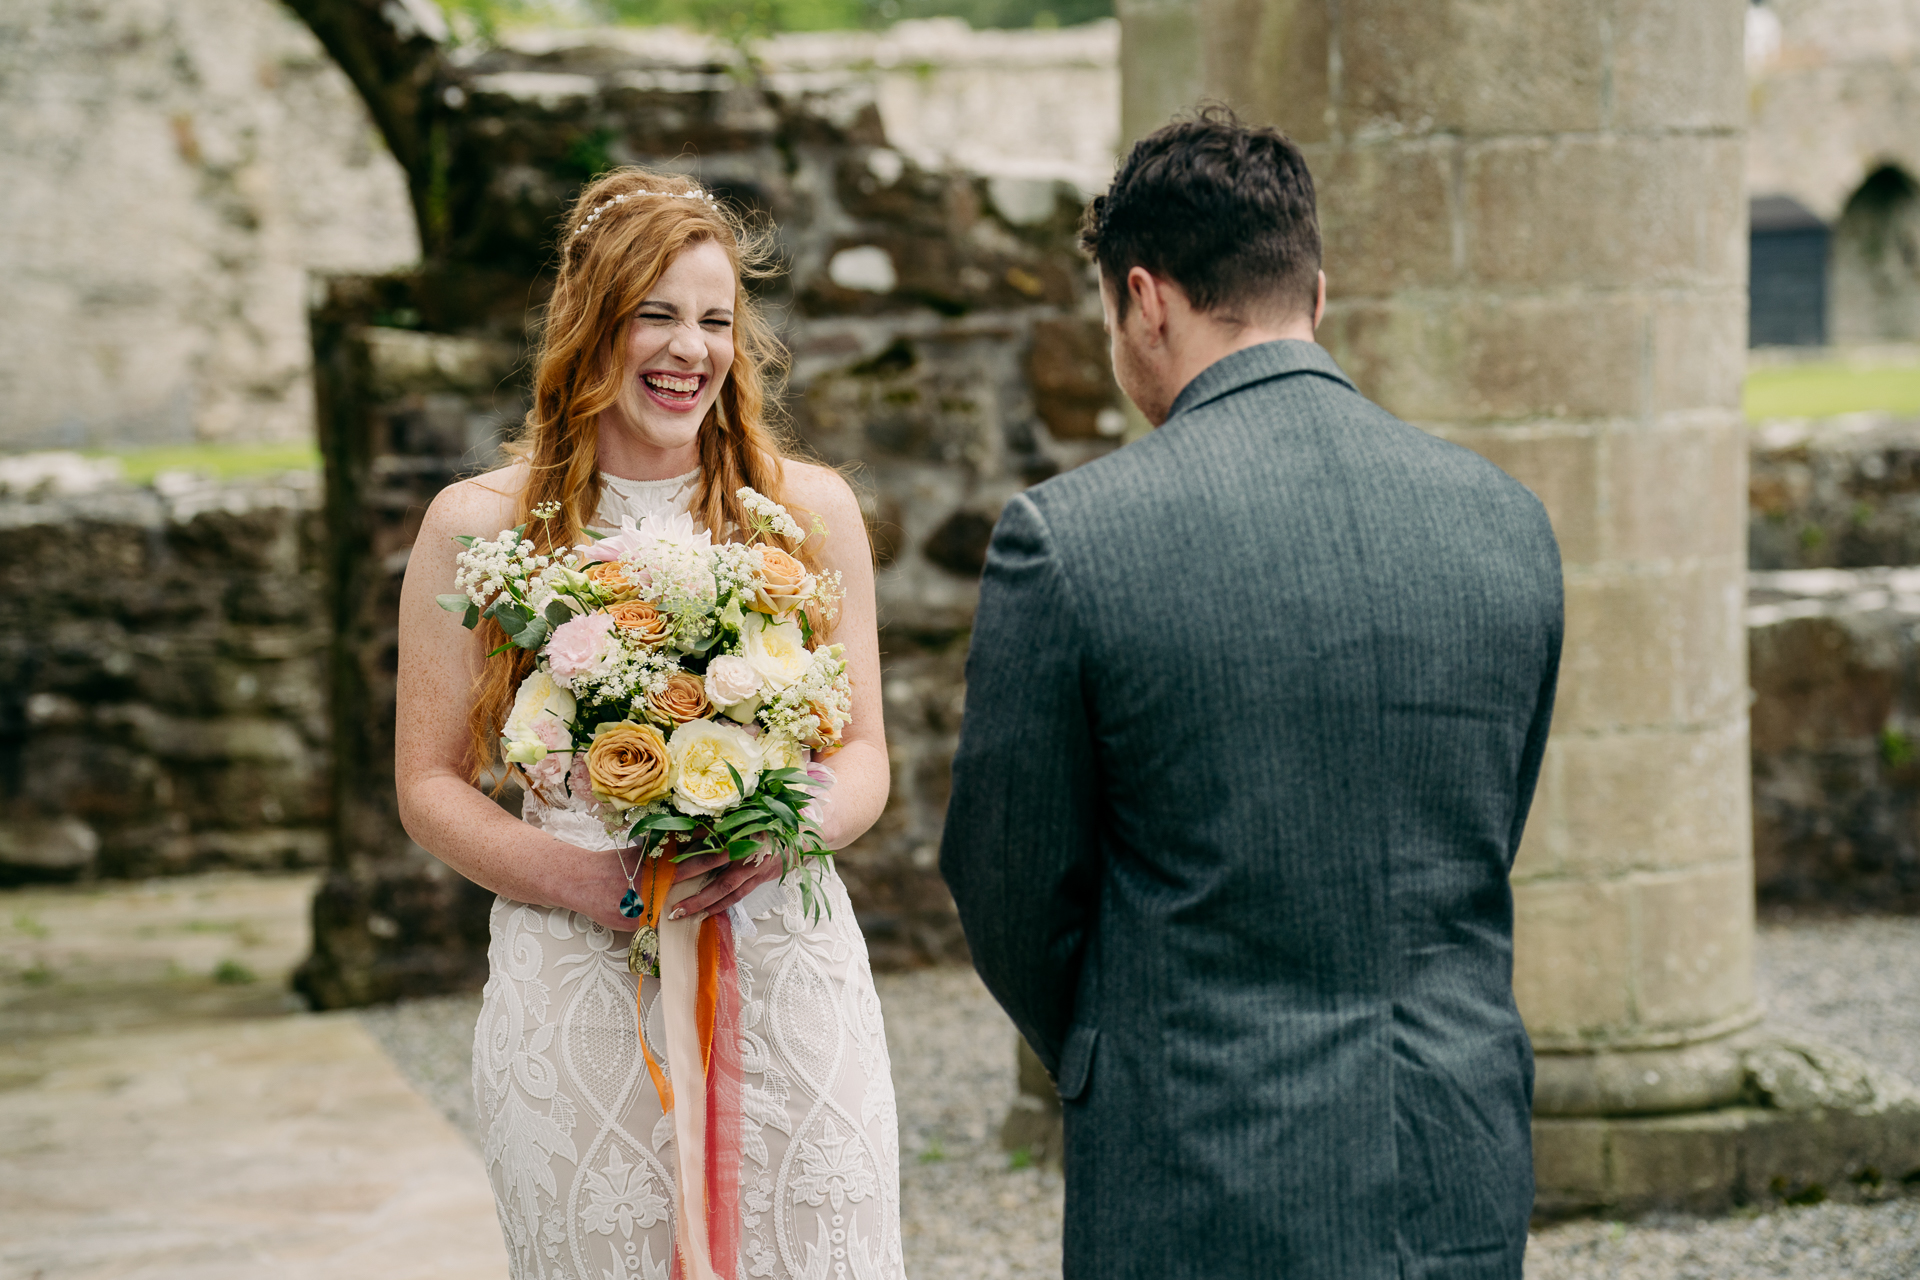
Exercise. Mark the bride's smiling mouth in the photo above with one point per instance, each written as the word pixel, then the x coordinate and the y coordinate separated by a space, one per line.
pixel 676 391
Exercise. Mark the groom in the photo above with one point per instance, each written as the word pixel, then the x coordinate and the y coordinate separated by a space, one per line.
pixel 1254 712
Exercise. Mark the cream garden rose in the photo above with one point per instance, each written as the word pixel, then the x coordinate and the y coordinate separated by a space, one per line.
pixel 701 751
pixel 537 724
pixel 777 651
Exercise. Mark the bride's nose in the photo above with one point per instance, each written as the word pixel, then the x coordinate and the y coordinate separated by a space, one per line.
pixel 687 343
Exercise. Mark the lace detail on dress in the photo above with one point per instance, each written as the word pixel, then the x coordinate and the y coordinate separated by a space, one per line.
pixel 642 498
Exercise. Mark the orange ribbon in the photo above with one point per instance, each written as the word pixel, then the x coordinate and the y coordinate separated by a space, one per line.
pixel 656 902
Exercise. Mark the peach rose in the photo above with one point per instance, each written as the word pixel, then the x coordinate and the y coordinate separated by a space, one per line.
pixel 628 764
pixel 640 622
pixel 782 583
pixel 612 580
pixel 827 736
pixel 684 699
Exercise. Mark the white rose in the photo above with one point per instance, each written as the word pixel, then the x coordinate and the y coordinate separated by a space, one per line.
pixel 701 751
pixel 538 692
pixel 777 651
pixel 731 680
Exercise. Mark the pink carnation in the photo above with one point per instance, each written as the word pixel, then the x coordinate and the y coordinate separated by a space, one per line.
pixel 577 644
pixel 547 772
pixel 552 734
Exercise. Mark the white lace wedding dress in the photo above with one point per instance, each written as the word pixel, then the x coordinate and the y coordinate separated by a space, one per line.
pixel 578 1150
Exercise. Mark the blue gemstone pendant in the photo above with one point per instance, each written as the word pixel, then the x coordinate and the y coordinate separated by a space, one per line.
pixel 630 905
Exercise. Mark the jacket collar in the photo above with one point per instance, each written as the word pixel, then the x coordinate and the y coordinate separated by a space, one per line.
pixel 1252 365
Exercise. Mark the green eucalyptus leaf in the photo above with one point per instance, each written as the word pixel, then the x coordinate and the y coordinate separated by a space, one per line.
pixel 454 602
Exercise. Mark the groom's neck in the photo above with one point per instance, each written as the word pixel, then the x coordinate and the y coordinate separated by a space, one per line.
pixel 1198 340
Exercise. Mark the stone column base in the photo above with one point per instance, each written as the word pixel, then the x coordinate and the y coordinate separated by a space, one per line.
pixel 1815 1123
pixel 1034 1124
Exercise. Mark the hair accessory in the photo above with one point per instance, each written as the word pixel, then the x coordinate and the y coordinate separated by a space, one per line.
pixel 624 196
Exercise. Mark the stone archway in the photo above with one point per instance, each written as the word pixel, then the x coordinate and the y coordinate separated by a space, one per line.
pixel 1875 280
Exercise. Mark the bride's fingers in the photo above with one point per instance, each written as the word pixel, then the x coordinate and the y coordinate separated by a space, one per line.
pixel 727 888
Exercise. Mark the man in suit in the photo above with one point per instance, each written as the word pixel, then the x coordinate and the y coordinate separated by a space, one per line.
pixel 1255 708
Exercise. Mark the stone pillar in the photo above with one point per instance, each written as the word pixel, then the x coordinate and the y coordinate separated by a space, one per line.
pixel 1534 221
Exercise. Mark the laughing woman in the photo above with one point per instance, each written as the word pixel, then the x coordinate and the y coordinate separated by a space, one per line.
pixel 648 397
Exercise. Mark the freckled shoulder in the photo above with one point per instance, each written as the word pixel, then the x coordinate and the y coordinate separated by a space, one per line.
pixel 821 490
pixel 481 505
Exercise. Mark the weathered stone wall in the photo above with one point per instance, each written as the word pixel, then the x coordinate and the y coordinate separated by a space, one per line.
pixel 1836 493
pixel 161 699
pixel 169 172
pixel 1836 738
pixel 1834 637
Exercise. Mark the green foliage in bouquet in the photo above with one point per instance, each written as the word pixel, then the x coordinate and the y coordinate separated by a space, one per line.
pixel 773 817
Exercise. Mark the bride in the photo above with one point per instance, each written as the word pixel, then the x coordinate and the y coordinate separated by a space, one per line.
pixel 648 400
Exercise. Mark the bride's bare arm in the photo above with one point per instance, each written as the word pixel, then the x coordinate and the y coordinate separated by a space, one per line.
pixel 861 776
pixel 439 662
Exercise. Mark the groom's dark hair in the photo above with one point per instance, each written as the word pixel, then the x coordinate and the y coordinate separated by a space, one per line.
pixel 1223 210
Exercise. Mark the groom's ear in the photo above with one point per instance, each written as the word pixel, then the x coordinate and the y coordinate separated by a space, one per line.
pixel 1148 294
pixel 1319 299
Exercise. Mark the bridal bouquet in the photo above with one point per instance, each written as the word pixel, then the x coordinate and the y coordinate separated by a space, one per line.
pixel 679 690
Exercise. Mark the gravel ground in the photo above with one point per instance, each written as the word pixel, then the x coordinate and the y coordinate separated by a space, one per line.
pixel 967 1214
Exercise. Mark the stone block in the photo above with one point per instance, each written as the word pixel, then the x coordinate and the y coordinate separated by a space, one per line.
pixel 1606 212
pixel 1387 217
pixel 1653 649
pixel 1678 66
pixel 1569 1165
pixel 1677 492
pixel 36 848
pixel 1268 59
pixel 1560 464
pixel 1652 801
pixel 1693 945
pixel 1072 378
pixel 1160 64
pixel 1699 348
pixel 1571 960
pixel 1454 66
pixel 1478 360
pixel 1696 1077
pixel 1687 1162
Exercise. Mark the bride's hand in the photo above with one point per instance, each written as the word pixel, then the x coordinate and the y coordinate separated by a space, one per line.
pixel 596 888
pixel 731 882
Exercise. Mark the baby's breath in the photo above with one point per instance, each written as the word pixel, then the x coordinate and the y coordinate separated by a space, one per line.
pixel 765 516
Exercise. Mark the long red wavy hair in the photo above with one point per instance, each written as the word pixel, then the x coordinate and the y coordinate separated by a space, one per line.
pixel 580 372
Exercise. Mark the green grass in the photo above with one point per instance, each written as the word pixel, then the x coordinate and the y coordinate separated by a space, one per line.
pixel 221 461
pixel 756 19
pixel 1824 390
pixel 233 974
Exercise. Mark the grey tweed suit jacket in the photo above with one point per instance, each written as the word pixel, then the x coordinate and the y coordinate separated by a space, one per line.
pixel 1255 707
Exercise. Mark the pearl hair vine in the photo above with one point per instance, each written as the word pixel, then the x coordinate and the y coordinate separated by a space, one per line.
pixel 624 196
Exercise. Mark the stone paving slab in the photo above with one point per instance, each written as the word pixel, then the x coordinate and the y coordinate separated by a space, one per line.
pixel 166 1115
pixel 288 1147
